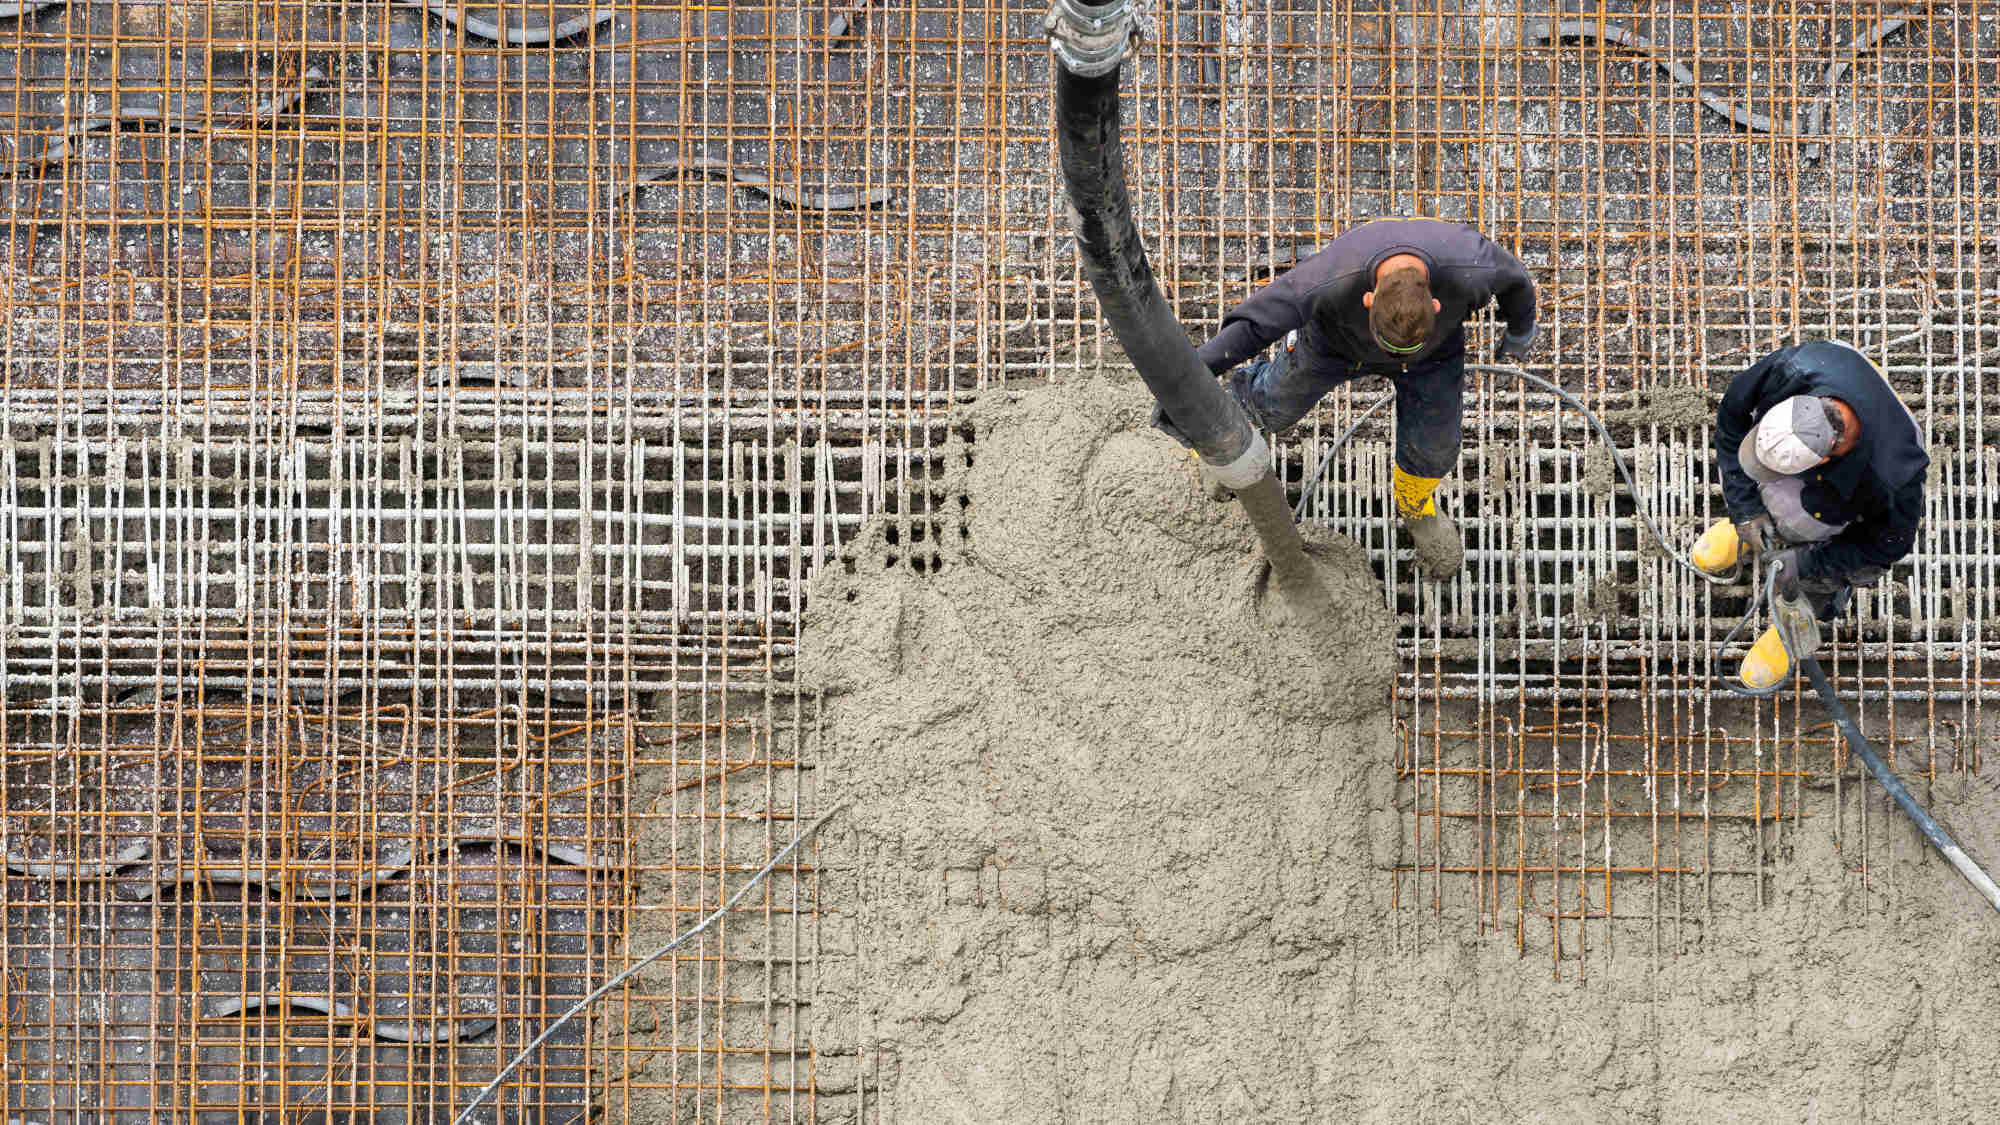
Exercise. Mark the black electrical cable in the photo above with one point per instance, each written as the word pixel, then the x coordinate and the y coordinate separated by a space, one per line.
pixel 1631 488
pixel 1927 824
pixel 1603 434
pixel 465 1116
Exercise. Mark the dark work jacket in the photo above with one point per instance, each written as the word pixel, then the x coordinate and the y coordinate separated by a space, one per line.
pixel 1466 271
pixel 1876 488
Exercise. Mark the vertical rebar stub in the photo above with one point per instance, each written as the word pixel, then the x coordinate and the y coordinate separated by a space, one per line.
pixel 1091 39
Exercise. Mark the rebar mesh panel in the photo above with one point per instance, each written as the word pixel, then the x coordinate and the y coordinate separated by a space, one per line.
pixel 400 411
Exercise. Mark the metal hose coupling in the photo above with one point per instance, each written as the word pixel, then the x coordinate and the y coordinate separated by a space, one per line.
pixel 1090 40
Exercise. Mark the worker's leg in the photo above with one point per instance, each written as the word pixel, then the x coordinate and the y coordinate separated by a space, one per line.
pixel 1266 388
pixel 1278 390
pixel 1430 403
pixel 1430 407
pixel 1830 597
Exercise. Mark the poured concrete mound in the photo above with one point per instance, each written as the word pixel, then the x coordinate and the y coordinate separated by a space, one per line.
pixel 1104 810
pixel 1119 842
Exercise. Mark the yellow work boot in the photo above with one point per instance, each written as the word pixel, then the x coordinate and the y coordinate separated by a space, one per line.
pixel 1415 496
pixel 1767 662
pixel 1440 552
pixel 1716 551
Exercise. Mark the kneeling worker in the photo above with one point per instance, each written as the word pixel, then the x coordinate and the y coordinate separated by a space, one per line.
pixel 1388 298
pixel 1823 469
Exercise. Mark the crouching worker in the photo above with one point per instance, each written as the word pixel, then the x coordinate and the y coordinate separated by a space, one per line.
pixel 1822 470
pixel 1388 298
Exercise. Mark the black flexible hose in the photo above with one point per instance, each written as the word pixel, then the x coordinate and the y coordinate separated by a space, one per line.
pixel 1926 823
pixel 1603 434
pixel 1933 832
pixel 1094 38
pixel 1625 473
pixel 1114 259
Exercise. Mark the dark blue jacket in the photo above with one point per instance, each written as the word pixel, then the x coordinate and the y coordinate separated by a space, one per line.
pixel 1466 271
pixel 1876 488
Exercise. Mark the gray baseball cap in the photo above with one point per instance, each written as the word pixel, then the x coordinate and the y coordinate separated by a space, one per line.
pixel 1796 435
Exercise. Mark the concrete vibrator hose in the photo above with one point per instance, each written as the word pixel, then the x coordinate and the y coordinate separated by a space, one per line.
pixel 1933 832
pixel 1090 42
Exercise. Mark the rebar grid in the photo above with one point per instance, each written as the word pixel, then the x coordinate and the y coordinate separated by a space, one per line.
pixel 391 413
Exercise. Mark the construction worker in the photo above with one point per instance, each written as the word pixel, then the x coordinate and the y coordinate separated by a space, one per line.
pixel 1389 298
pixel 1823 472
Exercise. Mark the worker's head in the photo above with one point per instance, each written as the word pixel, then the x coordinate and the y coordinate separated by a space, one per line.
pixel 1804 431
pixel 1401 310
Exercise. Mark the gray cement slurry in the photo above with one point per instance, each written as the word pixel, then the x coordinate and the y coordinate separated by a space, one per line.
pixel 1118 839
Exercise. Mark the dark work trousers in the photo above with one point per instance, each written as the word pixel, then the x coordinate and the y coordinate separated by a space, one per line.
pixel 1830 596
pixel 1430 397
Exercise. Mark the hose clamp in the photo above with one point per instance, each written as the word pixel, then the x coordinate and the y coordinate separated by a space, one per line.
pixel 1090 40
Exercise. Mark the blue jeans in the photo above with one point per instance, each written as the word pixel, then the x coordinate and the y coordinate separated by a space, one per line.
pixel 1430 397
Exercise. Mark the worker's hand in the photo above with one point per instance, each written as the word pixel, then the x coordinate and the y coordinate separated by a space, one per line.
pixel 1786 564
pixel 1166 426
pixel 1513 347
pixel 1753 537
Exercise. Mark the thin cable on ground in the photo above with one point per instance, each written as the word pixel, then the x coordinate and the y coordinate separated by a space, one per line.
pixel 1639 506
pixel 62 145
pixel 1631 489
pixel 1305 494
pixel 1932 830
pixel 604 989
pixel 1865 42
pixel 514 34
pixel 1633 41
pixel 1610 447
pixel 1869 39
pixel 1603 434
pixel 763 185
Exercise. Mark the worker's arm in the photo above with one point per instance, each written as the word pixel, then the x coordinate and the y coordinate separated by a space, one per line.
pixel 1515 291
pixel 1254 325
pixel 1762 385
pixel 1881 540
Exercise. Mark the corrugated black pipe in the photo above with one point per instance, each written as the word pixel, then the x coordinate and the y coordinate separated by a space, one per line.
pixel 1090 43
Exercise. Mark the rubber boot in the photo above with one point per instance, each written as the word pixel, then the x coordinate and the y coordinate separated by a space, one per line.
pixel 1440 554
pixel 1718 551
pixel 1766 663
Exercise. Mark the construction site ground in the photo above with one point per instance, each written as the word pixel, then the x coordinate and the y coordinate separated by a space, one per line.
pixel 478 479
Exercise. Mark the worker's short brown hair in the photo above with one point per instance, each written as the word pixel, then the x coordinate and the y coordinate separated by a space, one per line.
pixel 1402 317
